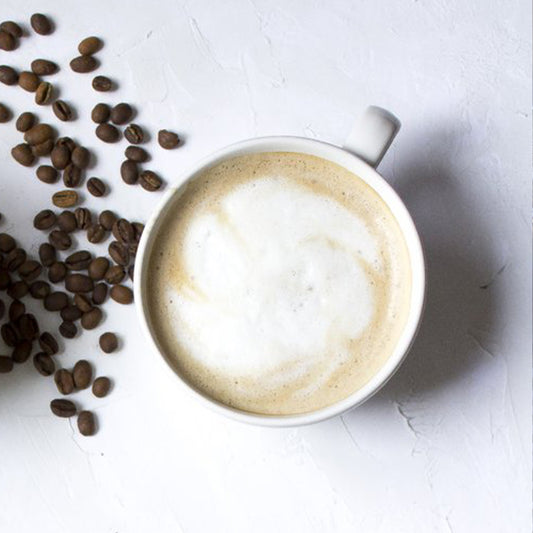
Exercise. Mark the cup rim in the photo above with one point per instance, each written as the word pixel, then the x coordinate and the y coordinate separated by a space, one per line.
pixel 370 176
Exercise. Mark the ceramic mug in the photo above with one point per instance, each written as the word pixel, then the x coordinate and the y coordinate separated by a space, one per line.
pixel 361 154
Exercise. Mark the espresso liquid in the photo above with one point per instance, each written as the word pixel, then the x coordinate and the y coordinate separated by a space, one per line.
pixel 280 283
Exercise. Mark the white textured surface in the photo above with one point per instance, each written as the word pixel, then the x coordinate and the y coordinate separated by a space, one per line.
pixel 446 446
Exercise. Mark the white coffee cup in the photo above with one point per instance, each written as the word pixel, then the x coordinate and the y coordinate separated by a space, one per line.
pixel 361 154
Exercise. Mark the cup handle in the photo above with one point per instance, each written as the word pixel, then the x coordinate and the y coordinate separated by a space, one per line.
pixel 372 135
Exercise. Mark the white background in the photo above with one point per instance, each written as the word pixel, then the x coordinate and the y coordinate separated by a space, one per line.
pixel 446 446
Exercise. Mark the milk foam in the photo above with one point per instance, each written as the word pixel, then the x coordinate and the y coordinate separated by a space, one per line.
pixel 270 289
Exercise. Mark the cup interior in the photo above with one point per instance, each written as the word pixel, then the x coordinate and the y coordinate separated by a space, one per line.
pixel 381 187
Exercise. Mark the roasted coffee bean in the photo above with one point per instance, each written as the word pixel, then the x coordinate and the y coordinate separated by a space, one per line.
pixel 101 386
pixel 44 219
pixel 5 114
pixel 64 381
pixel 123 231
pixel 96 187
pixel 134 134
pixel 5 279
pixel 86 423
pixel 99 294
pixel 60 156
pixel 22 154
pixel 45 148
pixel 129 172
pixel 71 176
pixel 60 239
pixel 48 343
pixel 62 110
pixel 136 153
pixel 82 374
pixel 7 41
pixel 28 327
pixel 108 342
pixel 91 319
pixel 107 133
pixel 40 289
pixel 107 219
pixel 100 113
pixel 96 233
pixel 83 64
pixel 63 408
pixel 16 310
pixel 38 134
pixel 6 364
pixel 67 221
pixel 168 139
pixel 30 270
pixel 98 268
pixel 119 253
pixel 68 142
pixel 28 81
pixel 43 67
pixel 131 271
pixel 150 181
pixel 83 217
pixel 78 283
pixel 80 157
pixel 18 290
pixel 78 260
pixel 12 28
pixel 121 114
pixel 21 352
pixel 47 174
pixel 82 302
pixel 121 294
pixel 71 313
pixel 41 24
pixel 68 329
pixel 66 198
pixel 57 272
pixel 44 364
pixel 25 121
pixel 89 46
pixel 7 243
pixel 14 259
pixel 8 75
pixel 10 335
pixel 44 93
pixel 115 274
pixel 138 229
pixel 56 301
pixel 47 254
pixel 102 84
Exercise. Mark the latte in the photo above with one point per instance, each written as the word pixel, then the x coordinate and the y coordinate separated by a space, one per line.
pixel 280 283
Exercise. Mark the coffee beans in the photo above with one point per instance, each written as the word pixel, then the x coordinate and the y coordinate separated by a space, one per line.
pixel 71 175
pixel 168 139
pixel 65 198
pixel 28 327
pixel 101 386
pixel 28 81
pixel 121 294
pixel 47 174
pixel 150 181
pixel 44 93
pixel 22 154
pixel 121 114
pixel 78 261
pixel 41 24
pixel 25 121
pixel 57 272
pixel 60 239
pixel 81 157
pixel 100 113
pixel 129 172
pixel 108 342
pixel 123 231
pixel 83 217
pixel 43 67
pixel 107 133
pixel 86 423
pixel 60 156
pixel 91 319
pixel 83 64
pixel 67 221
pixel 21 352
pixel 44 364
pixel 96 233
pixel 30 270
pixel 10 335
pixel 115 274
pixel 45 219
pixel 96 187
pixel 82 302
pixel 39 289
pixel 119 253
pixel 98 268
pixel 99 294
pixel 8 75
pixel 42 149
pixel 5 114
pixel 48 343
pixel 137 154
pixel 102 84
pixel 68 329
pixel 62 110
pixel 89 46
pixel 14 259
pixel 107 219
pixel 71 313
pixel 56 301
pixel 134 134
pixel 7 243
pixel 7 41
pixel 16 310
pixel 47 254
pixel 18 290
pixel 64 381
pixel 82 374
pixel 39 134
pixel 63 408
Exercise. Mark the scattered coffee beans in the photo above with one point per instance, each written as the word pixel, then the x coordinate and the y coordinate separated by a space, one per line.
pixel 101 386
pixel 62 110
pixel 129 172
pixel 5 113
pixel 80 157
pixel 48 343
pixel 25 121
pixel 168 139
pixel 44 364
pixel 44 93
pixel 63 408
pixel 99 294
pixel 68 329
pixel 134 134
pixel 83 64
pixel 57 272
pixel 43 67
pixel 44 220
pixel 102 84
pixel 89 46
pixel 47 174
pixel 22 154
pixel 121 114
pixel 96 187
pixel 8 75
pixel 28 81
pixel 41 24
pixel 12 28
pixel 65 198
pixel 86 423
pixel 98 268
pixel 100 113
pixel 82 374
pixel 7 41
pixel 64 381
pixel 121 294
pixel 47 254
pixel 108 342
pixel 67 221
pixel 150 181
pixel 107 219
pixel 60 239
pixel 91 319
